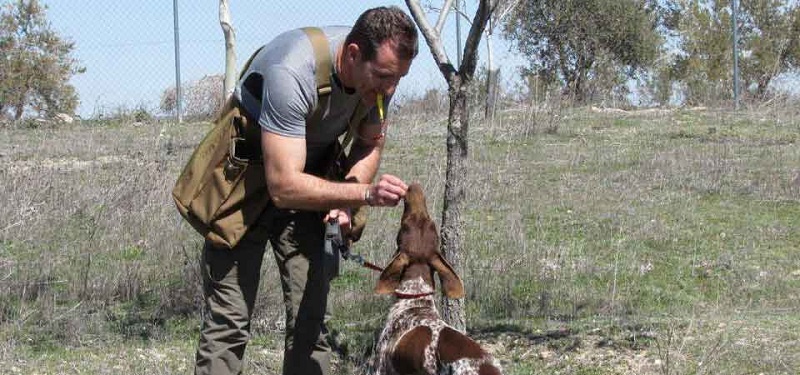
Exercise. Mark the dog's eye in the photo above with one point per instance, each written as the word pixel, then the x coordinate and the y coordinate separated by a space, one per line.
pixel 402 233
pixel 404 230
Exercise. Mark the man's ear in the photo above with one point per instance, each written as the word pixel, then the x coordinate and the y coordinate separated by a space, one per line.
pixel 391 275
pixel 451 283
pixel 353 52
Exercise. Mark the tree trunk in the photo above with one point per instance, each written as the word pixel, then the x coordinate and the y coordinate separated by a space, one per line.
pixel 19 110
pixel 491 77
pixel 455 182
pixel 457 129
pixel 492 93
pixel 230 48
pixel 763 85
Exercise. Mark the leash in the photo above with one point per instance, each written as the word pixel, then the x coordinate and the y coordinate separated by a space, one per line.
pixel 335 243
pixel 347 255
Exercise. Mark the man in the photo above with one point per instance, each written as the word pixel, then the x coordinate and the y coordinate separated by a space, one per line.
pixel 368 60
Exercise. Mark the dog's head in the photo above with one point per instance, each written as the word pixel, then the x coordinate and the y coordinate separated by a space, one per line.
pixel 418 251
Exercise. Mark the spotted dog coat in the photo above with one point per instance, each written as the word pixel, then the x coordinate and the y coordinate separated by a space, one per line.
pixel 415 339
pixel 410 313
pixel 406 314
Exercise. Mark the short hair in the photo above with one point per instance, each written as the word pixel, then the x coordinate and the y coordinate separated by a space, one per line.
pixel 376 25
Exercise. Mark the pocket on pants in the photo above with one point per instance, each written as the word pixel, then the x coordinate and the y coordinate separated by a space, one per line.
pixel 218 264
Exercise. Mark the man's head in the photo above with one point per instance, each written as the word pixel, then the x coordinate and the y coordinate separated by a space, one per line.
pixel 378 51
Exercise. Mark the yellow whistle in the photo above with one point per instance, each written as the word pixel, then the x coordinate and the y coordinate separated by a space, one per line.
pixel 380 106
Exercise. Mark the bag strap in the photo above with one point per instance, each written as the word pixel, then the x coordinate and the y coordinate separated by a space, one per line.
pixel 322 59
pixel 323 69
pixel 249 61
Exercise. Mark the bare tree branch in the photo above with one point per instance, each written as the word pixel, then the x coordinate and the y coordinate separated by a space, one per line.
pixel 479 22
pixel 432 37
pixel 506 11
pixel 448 4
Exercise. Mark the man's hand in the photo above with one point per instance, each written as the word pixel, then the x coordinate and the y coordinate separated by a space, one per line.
pixel 342 217
pixel 388 191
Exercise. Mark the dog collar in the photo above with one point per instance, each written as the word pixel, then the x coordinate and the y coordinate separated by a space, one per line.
pixel 400 295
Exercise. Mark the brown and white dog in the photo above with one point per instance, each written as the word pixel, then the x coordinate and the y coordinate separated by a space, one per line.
pixel 415 339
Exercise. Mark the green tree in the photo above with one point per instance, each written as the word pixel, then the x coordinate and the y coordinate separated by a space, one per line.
pixel 770 40
pixel 567 40
pixel 704 68
pixel 768 44
pixel 35 65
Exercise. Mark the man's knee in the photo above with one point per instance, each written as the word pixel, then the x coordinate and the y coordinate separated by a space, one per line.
pixel 221 352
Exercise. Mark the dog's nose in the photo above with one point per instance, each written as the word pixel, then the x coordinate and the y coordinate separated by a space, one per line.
pixel 414 194
pixel 415 200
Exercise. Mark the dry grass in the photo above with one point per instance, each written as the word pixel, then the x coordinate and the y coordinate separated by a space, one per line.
pixel 651 242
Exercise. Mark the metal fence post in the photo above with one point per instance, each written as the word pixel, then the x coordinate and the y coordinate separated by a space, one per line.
pixel 735 55
pixel 458 34
pixel 178 93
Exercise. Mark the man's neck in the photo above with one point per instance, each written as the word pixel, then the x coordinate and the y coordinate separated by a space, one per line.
pixel 340 68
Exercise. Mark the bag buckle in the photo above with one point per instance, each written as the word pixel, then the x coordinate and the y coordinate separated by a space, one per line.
pixel 233 155
pixel 240 151
pixel 236 162
pixel 233 164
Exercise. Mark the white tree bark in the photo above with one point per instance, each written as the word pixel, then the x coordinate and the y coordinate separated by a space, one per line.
pixel 230 48
pixel 443 16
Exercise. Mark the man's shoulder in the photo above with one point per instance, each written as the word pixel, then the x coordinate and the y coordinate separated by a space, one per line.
pixel 336 33
pixel 294 44
pixel 293 50
pixel 288 63
pixel 286 48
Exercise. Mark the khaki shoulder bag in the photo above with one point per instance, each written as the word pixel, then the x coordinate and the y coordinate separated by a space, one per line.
pixel 222 190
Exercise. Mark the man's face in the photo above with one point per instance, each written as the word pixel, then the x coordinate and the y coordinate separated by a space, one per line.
pixel 381 74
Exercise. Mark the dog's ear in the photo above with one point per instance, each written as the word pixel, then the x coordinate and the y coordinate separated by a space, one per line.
pixel 390 277
pixel 451 283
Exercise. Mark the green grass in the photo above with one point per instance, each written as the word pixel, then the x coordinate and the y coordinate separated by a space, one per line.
pixel 594 244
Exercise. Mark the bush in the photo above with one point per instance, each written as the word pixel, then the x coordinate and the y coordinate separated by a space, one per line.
pixel 201 99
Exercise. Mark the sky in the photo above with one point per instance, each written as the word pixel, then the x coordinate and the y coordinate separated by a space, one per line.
pixel 127 47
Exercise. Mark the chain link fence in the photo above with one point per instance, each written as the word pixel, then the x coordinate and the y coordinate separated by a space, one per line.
pixel 128 50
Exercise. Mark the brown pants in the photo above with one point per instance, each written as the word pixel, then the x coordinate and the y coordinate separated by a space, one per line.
pixel 230 284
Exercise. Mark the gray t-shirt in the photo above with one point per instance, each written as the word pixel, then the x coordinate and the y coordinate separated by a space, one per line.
pixel 289 93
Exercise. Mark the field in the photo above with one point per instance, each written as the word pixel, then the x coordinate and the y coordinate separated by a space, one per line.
pixel 597 242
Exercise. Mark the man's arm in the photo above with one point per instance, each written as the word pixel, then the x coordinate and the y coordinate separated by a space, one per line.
pixel 290 187
pixel 365 155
